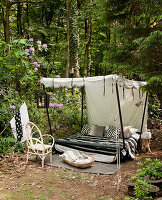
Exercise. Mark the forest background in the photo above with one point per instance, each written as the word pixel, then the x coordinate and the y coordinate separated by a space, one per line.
pixel 74 38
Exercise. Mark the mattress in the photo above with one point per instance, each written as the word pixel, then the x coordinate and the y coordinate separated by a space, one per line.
pixel 102 148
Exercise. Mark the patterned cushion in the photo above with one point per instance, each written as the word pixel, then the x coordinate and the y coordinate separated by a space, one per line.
pixel 110 132
pixel 86 129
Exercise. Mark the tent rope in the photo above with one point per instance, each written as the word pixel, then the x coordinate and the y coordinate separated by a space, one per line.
pixel 118 157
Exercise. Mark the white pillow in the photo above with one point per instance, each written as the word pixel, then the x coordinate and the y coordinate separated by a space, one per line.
pixel 97 130
pixel 133 130
pixel 127 132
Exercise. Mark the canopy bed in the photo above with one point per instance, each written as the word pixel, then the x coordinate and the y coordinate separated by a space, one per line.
pixel 117 116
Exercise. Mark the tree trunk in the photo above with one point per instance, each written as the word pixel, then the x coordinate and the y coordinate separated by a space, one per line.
pixel 68 38
pixel 6 24
pixel 27 18
pixel 42 17
pixel 3 21
pixel 6 11
pixel 88 38
pixel 108 33
pixel 89 43
pixel 74 39
pixel 27 13
pixel 85 53
pixel 19 19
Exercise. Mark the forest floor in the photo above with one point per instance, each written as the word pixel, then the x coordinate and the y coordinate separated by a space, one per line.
pixel 19 181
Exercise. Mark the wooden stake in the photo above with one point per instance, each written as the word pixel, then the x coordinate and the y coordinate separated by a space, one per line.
pixel 4 128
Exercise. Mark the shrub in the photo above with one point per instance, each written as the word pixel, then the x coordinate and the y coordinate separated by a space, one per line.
pixel 150 167
pixel 142 188
pixel 10 145
pixel 154 113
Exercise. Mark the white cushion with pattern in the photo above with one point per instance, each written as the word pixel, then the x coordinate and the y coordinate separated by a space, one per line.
pixel 86 129
pixel 110 132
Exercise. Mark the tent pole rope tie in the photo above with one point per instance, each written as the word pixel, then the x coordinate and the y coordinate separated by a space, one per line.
pixel 53 83
pixel 112 86
pixel 104 86
pixel 83 82
pixel 133 93
pixel 139 94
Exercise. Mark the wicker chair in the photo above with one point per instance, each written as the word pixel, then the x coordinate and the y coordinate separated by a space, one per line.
pixel 37 143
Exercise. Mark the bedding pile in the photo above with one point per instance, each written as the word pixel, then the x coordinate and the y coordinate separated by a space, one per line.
pixel 76 157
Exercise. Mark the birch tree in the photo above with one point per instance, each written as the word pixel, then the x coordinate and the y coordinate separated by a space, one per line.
pixel 74 39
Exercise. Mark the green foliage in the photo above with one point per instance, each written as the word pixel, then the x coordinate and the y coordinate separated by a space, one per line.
pixel 16 66
pixel 150 167
pixel 8 98
pixel 149 51
pixel 10 145
pixel 134 48
pixel 66 119
pixel 19 147
pixel 5 144
pixel 155 112
pixel 142 187
pixel 126 40
pixel 155 87
pixel 127 198
pixel 20 71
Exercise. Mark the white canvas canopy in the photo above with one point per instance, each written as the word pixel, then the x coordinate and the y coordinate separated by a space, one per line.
pixel 101 98
pixel 90 81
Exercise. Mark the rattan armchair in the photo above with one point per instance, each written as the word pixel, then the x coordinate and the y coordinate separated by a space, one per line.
pixel 38 144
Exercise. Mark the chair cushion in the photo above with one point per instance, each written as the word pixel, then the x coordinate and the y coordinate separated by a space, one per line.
pixel 40 147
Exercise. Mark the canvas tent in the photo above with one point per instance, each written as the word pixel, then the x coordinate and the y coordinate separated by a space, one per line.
pixel 108 97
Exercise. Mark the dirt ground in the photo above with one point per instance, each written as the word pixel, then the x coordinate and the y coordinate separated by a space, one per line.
pixel 19 181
